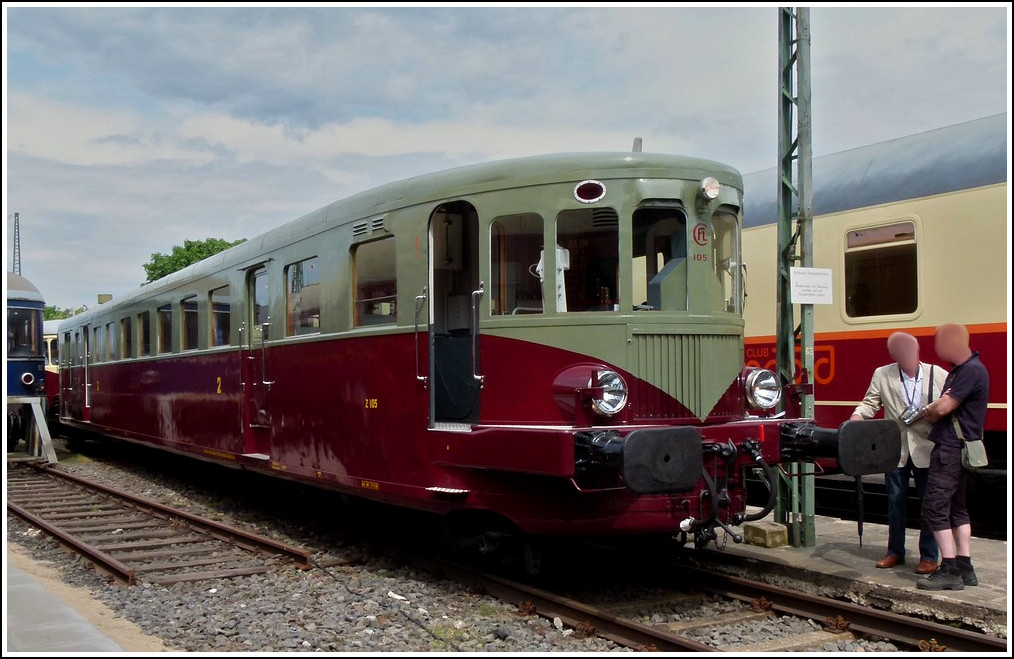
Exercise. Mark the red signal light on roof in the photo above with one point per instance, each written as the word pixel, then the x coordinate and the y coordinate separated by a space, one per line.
pixel 588 192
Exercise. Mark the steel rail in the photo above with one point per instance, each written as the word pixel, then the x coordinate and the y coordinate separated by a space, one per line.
pixel 94 554
pixel 213 528
pixel 912 631
pixel 625 632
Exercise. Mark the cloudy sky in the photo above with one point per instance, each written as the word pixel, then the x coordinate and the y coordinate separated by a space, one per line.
pixel 128 131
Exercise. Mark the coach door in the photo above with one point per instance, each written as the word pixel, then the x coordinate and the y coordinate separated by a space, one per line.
pixel 86 361
pixel 455 293
pixel 256 382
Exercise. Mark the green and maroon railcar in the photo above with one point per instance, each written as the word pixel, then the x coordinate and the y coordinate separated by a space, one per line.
pixel 547 345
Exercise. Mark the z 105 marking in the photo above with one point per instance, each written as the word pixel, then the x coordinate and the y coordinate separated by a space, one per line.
pixel 371 403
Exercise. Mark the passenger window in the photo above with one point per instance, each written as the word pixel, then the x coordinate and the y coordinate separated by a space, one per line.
pixel 221 308
pixel 98 345
pixel 66 350
pixel 126 339
pixel 515 252
pixel 144 333
pixel 660 259
pixel 302 297
pixel 191 328
pixel 587 260
pixel 877 255
pixel 110 342
pixel 165 328
pixel 725 259
pixel 376 286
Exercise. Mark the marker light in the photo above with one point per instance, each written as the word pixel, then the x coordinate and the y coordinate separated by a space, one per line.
pixel 710 187
pixel 588 192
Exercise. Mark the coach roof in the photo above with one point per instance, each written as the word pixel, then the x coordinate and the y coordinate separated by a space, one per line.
pixel 958 157
pixel 19 288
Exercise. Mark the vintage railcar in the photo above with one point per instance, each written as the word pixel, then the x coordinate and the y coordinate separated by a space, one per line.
pixel 25 362
pixel 420 345
pixel 916 233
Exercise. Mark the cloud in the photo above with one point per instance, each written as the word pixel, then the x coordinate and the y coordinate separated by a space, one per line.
pixel 131 130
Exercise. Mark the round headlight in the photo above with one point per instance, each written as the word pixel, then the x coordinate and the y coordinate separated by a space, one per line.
pixel 27 379
pixel 710 187
pixel 614 393
pixel 762 390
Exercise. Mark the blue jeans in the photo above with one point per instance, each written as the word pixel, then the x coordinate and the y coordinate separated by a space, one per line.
pixel 897 502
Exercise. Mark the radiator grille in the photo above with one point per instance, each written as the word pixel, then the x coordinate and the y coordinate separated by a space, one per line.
pixel 683 375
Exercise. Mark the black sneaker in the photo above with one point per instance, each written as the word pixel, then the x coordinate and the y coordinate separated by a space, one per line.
pixel 968 576
pixel 942 579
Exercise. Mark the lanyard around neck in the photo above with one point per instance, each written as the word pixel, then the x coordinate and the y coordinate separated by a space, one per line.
pixel 915 388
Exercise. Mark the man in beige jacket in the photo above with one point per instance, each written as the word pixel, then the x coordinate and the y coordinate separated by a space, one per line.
pixel 902 389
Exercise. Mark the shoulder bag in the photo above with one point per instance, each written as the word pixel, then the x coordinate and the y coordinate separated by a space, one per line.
pixel 973 451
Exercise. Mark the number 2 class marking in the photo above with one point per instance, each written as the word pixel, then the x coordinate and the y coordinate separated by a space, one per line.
pixel 219 383
pixel 372 404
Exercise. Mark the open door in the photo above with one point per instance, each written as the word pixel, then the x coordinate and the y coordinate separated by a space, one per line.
pixel 253 349
pixel 455 292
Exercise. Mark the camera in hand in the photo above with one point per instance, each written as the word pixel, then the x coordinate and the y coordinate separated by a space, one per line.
pixel 912 414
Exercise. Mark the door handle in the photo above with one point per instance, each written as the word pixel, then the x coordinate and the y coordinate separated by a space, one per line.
pixel 264 356
pixel 420 300
pixel 476 296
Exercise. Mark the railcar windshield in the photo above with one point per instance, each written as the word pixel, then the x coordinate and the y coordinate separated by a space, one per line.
pixel 725 258
pixel 24 332
pixel 660 259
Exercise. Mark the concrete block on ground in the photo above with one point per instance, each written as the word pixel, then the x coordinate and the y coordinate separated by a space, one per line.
pixel 766 534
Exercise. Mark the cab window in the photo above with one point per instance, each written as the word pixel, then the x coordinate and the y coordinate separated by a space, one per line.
pixel 515 258
pixel 660 259
pixel 587 260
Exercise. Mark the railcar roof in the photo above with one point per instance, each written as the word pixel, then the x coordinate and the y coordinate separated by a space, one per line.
pixel 19 288
pixel 958 157
pixel 452 183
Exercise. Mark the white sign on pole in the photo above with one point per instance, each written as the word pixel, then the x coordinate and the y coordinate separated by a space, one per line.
pixel 810 285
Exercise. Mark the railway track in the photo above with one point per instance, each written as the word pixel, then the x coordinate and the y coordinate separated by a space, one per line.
pixel 759 602
pixel 135 539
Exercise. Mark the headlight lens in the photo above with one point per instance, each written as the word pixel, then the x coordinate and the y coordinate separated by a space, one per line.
pixel 710 187
pixel 614 393
pixel 762 390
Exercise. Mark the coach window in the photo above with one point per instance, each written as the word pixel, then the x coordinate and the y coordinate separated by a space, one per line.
pixel 165 328
pixel 515 255
pixel 66 350
pixel 725 260
pixel 111 341
pixel 660 259
pixel 302 297
pixel 587 259
pixel 98 344
pixel 126 339
pixel 191 328
pixel 220 303
pixel 144 333
pixel 880 271
pixel 376 284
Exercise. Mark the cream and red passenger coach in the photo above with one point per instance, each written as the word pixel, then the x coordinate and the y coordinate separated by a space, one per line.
pixel 551 344
pixel 916 233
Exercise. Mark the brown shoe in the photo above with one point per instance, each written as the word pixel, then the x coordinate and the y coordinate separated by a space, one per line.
pixel 926 567
pixel 891 560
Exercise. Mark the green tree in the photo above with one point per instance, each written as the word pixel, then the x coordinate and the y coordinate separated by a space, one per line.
pixel 189 253
pixel 53 312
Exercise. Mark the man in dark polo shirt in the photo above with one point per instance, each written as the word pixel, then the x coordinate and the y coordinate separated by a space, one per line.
pixel 964 398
